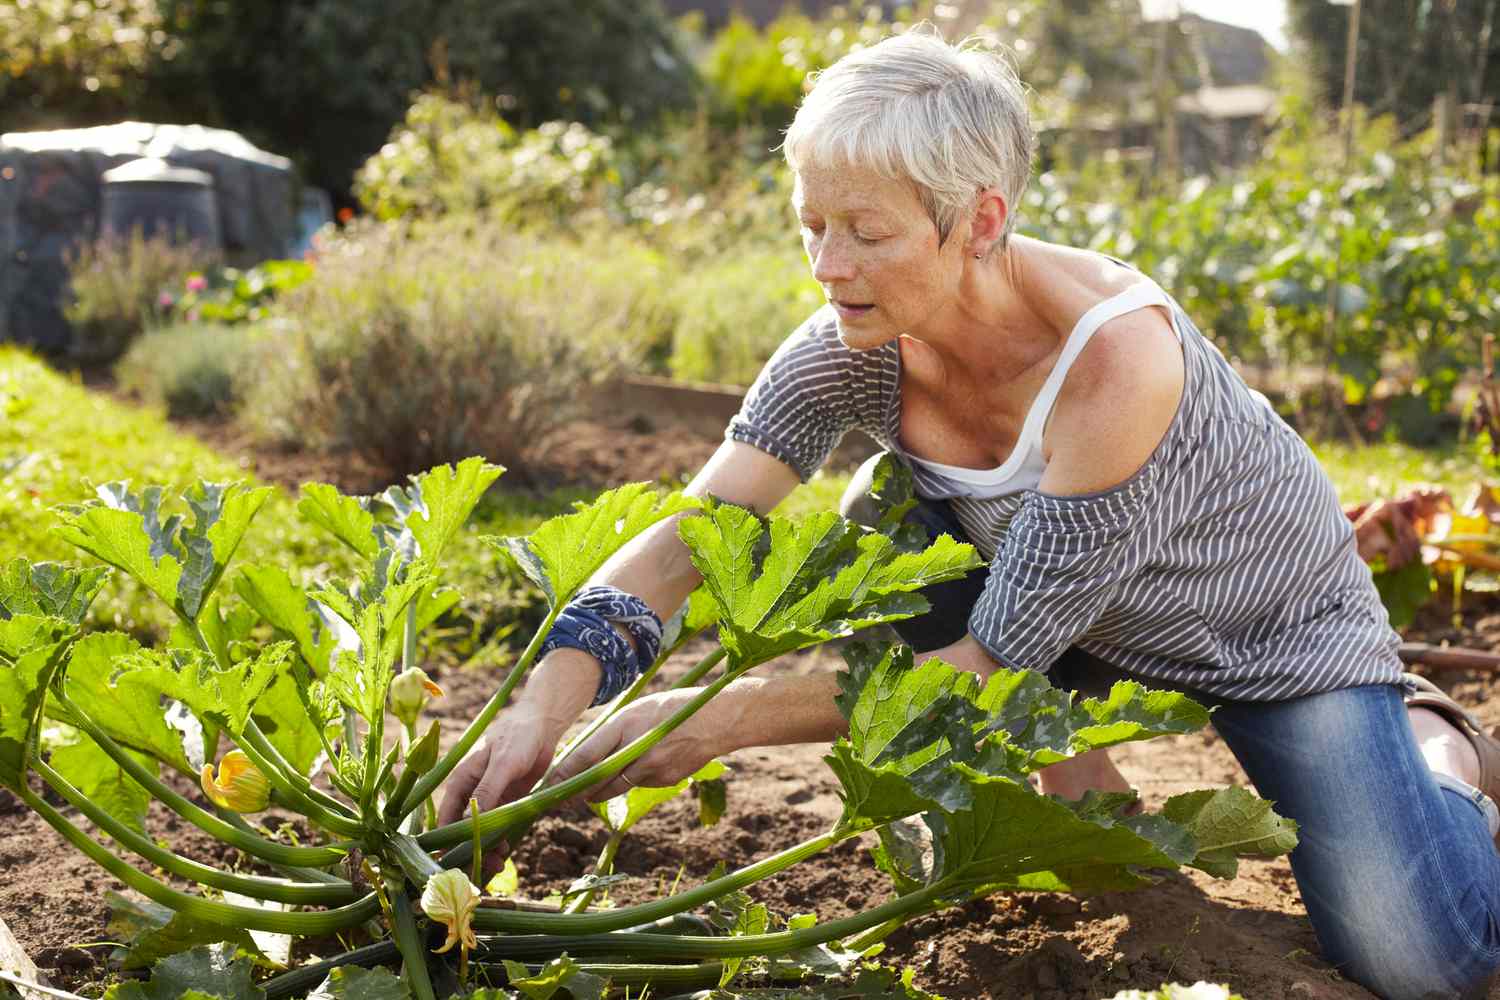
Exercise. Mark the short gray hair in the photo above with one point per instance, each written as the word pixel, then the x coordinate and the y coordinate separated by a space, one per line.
pixel 949 119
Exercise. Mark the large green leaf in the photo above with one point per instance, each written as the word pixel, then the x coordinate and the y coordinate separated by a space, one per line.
pixel 48 589
pixel 371 618
pixel 1228 824
pixel 561 554
pixel 436 505
pixel 34 649
pixel 287 608
pixel 282 715
pixel 787 584
pixel 207 972
pixel 221 694
pixel 562 973
pixel 130 706
pixel 179 562
pixel 94 773
pixel 151 932
pixel 346 518
pixel 1012 837
pixel 350 982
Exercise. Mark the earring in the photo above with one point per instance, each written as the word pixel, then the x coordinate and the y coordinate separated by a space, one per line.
pixel 979 256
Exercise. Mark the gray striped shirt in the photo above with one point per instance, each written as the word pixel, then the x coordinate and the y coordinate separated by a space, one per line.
pixel 1224 564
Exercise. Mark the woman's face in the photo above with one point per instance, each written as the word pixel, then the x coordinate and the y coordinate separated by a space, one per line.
pixel 875 252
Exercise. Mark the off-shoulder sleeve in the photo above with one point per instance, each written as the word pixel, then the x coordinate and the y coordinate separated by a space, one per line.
pixel 1058 565
pixel 799 408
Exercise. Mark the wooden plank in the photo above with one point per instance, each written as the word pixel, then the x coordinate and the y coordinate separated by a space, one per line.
pixel 13 958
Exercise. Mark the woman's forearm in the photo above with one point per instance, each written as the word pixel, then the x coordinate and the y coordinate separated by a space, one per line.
pixel 773 711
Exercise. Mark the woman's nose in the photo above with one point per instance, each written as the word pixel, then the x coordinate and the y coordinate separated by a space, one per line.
pixel 830 262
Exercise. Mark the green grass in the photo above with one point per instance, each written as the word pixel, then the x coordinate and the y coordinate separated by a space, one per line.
pixel 58 438
pixel 1385 470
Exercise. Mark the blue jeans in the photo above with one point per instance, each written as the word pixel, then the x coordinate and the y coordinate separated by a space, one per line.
pixel 1398 869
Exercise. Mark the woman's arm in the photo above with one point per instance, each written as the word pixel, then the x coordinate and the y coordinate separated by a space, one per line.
pixel 654 567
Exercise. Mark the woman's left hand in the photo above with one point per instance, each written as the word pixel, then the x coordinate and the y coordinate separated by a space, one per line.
pixel 704 736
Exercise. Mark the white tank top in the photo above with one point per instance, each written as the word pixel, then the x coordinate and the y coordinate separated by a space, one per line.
pixel 1023 469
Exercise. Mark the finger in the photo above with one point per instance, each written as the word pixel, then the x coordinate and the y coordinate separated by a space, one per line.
pixel 498 777
pixel 618 785
pixel 460 785
pixel 590 752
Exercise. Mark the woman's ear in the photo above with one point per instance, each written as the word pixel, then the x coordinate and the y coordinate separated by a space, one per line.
pixel 988 226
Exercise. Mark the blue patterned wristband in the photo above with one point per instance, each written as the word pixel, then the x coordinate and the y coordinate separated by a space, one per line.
pixel 587 623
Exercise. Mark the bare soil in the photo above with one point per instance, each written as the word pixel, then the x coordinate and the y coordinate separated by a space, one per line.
pixel 1250 933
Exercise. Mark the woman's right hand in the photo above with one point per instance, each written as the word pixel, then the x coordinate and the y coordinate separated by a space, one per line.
pixel 504 766
pixel 518 748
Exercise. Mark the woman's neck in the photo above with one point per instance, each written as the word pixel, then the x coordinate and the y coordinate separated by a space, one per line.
pixel 992 334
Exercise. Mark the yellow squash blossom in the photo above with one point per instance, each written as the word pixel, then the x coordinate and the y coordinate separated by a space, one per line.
pixel 410 692
pixel 240 785
pixel 451 899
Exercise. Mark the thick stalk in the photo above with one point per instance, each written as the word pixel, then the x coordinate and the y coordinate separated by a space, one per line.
pixel 518 922
pixel 278 890
pixel 409 941
pixel 435 777
pixel 293 797
pixel 415 862
pixel 296 778
pixel 537 803
pixel 602 867
pixel 299 981
pixel 251 843
pixel 213 911
pixel 692 677
pixel 666 946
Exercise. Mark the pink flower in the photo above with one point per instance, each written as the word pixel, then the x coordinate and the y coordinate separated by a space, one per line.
pixel 165 300
pixel 197 283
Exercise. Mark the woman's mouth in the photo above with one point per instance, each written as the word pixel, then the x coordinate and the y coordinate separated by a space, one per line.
pixel 852 310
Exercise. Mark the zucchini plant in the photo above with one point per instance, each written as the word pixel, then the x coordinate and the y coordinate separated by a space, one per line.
pixel 297 684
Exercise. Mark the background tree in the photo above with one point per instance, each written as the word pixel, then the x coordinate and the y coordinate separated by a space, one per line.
pixel 1409 53
pixel 324 81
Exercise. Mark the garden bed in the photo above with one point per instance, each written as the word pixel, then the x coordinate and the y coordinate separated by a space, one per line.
pixel 1250 932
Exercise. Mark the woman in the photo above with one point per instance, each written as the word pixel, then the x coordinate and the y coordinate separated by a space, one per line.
pixel 1142 510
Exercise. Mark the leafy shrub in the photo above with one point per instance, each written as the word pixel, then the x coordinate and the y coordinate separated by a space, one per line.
pixel 193 369
pixel 757 77
pixel 733 314
pixel 230 295
pixel 448 157
pixel 121 286
pixel 417 344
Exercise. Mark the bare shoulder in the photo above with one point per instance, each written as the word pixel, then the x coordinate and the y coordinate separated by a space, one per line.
pixel 1116 404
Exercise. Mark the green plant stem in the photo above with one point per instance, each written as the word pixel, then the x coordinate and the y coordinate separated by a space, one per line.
pixel 276 890
pixel 440 771
pixel 409 941
pixel 298 780
pixel 300 981
pixel 213 911
pixel 667 946
pixel 296 799
pixel 251 843
pixel 537 803
pixel 415 862
pixel 702 667
pixel 519 922
pixel 603 866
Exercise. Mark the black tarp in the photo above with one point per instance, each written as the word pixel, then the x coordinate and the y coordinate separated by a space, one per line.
pixel 50 197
